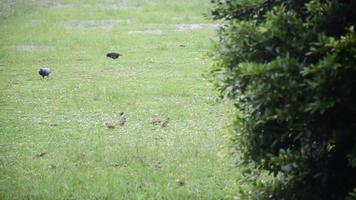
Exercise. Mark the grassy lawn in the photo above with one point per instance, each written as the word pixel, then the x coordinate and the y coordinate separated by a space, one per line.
pixel 53 142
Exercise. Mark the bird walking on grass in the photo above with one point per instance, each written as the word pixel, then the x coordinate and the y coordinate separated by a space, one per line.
pixel 109 125
pixel 122 119
pixel 41 154
pixel 156 121
pixel 160 121
pixel 181 181
pixel 45 71
pixel 165 122
pixel 113 55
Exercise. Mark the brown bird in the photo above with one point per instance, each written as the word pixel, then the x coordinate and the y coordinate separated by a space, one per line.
pixel 115 164
pixel 41 154
pixel 122 120
pixel 156 121
pixel 165 122
pixel 109 125
pixel 180 181
pixel 158 165
pixel 113 55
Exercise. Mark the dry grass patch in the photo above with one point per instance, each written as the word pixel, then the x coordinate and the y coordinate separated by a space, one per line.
pixel 105 24
pixel 191 27
pixel 146 32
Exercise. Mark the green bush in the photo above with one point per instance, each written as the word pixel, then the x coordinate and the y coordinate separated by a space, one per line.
pixel 290 68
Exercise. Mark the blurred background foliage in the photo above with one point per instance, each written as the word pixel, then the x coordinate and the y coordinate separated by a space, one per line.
pixel 290 68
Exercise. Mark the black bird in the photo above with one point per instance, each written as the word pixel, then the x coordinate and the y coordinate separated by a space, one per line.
pixel 113 55
pixel 44 72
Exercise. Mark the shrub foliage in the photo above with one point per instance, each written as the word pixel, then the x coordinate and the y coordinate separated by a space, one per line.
pixel 290 68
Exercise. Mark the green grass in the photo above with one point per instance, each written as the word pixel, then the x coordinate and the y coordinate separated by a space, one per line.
pixel 64 116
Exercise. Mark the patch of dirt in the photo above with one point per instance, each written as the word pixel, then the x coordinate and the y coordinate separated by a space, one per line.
pixel 146 32
pixel 46 3
pixel 126 4
pixel 100 6
pixel 11 5
pixel 42 3
pixel 185 18
pixel 192 27
pixel 105 24
pixel 33 48
pixel 121 5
